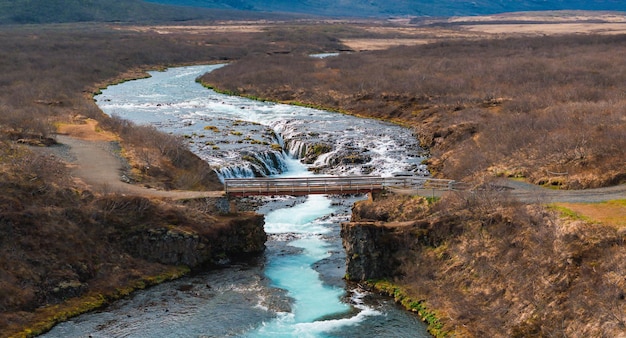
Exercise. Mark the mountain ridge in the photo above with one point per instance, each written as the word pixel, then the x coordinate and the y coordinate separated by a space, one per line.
pixel 368 8
pixel 64 11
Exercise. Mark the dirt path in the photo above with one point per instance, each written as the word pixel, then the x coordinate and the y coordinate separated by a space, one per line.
pixel 527 192
pixel 91 155
pixel 96 165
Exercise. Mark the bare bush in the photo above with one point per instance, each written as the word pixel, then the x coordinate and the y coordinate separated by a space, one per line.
pixel 539 103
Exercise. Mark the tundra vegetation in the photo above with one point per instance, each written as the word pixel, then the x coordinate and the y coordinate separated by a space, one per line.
pixel 547 109
pixel 65 248
pixel 488 265
pixel 516 107
pixel 522 107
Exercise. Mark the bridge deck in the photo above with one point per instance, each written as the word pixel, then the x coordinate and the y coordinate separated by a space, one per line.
pixel 329 185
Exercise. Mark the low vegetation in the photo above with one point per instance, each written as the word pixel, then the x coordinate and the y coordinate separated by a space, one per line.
pixel 488 263
pixel 58 240
pixel 491 266
pixel 545 109
pixel 162 160
pixel 548 109
pixel 611 213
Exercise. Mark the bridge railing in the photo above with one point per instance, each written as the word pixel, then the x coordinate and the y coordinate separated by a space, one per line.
pixel 332 185
pixel 420 182
pixel 303 185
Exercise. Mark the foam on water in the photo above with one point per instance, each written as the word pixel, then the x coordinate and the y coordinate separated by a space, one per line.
pixel 174 96
pixel 299 219
pixel 298 302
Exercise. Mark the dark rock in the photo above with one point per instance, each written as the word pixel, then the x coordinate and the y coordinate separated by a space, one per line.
pixel 370 250
pixel 241 236
pixel 314 151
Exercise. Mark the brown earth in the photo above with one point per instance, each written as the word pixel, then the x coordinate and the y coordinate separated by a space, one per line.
pixel 51 232
pixel 485 265
pixel 509 105
pixel 94 164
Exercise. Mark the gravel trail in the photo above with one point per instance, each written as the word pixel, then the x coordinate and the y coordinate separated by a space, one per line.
pixel 96 164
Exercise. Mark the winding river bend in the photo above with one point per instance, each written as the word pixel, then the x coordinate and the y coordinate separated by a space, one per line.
pixel 296 289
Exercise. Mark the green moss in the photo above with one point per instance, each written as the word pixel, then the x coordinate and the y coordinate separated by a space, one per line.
pixel 432 199
pixel 318 149
pixel 251 159
pixel 430 317
pixel 618 202
pixel 569 213
pixel 51 315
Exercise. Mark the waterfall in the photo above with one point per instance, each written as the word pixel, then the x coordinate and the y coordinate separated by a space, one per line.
pixel 255 164
pixel 298 290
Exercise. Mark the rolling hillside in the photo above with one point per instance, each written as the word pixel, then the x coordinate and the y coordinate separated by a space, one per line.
pixel 58 11
pixel 368 8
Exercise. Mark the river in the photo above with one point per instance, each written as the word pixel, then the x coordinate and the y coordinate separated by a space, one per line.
pixel 296 289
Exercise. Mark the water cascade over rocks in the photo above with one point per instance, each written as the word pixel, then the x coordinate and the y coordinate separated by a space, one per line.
pixel 297 289
pixel 245 138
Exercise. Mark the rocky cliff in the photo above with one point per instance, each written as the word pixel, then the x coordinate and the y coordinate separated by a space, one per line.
pixel 371 249
pixel 81 251
pixel 485 265
pixel 175 246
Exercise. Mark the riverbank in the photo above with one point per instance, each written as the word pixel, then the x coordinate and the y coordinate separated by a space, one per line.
pixel 47 317
pixel 120 244
pixel 508 269
pixel 304 234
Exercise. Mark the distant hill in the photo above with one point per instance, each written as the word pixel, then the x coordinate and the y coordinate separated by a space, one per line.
pixel 372 8
pixel 57 11
pixel 54 11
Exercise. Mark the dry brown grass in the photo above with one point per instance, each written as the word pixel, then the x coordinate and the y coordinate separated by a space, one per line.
pixel 86 129
pixel 527 106
pixel 55 233
pixel 612 213
pixel 493 267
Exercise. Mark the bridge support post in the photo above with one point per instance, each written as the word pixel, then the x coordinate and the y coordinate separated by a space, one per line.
pixel 232 206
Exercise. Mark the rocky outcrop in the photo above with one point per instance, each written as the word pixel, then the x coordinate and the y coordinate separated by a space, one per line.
pixel 176 246
pixel 371 249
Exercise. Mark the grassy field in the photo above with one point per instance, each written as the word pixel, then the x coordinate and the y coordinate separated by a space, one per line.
pixel 612 213
pixel 483 105
pixel 58 239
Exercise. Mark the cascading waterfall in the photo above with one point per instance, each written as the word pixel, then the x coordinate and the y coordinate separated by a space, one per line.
pixel 299 290
pixel 234 172
pixel 221 129
pixel 256 164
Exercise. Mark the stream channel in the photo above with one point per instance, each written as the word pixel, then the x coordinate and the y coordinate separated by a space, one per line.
pixel 296 288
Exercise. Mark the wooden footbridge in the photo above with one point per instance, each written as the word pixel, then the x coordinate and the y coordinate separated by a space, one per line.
pixel 332 185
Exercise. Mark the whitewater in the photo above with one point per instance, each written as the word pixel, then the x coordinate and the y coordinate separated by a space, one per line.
pixel 296 289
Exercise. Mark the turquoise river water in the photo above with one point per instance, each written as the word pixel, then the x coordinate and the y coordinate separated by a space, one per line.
pixel 296 289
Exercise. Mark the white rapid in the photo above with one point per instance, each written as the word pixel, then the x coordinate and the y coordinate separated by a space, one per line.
pixel 297 289
pixel 314 302
pixel 242 137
